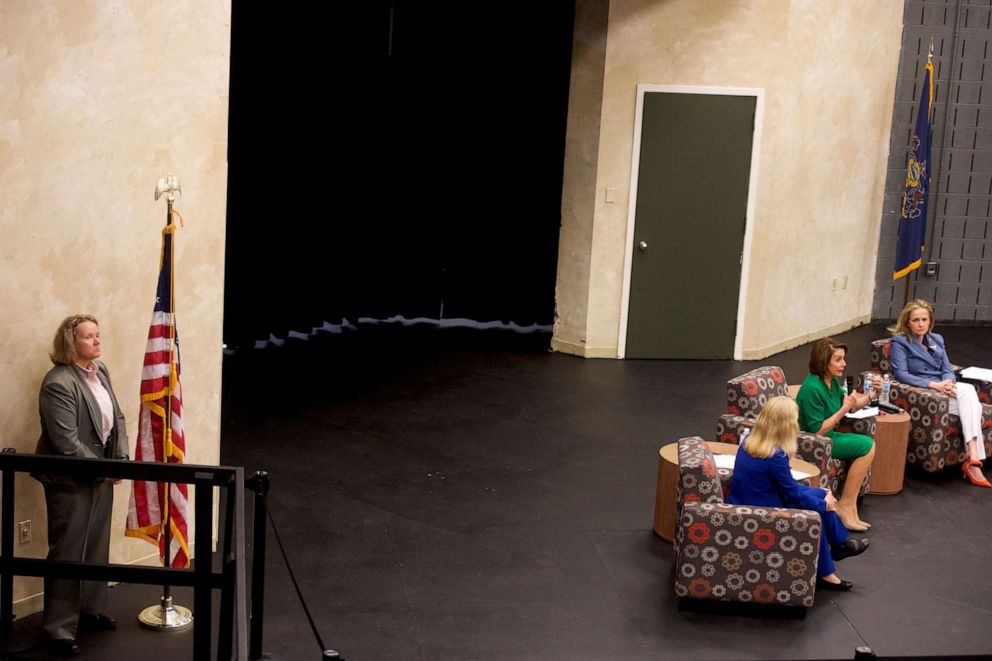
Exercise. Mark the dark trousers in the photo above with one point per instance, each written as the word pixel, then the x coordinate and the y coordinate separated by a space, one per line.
pixel 78 529
pixel 833 533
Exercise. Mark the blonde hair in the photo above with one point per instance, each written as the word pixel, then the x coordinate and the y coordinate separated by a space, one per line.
pixel 64 342
pixel 902 326
pixel 777 426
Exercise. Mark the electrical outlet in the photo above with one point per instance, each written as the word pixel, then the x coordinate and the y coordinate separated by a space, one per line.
pixel 24 531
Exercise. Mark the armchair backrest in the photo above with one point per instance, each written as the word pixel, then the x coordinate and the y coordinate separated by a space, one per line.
pixel 880 356
pixel 698 478
pixel 747 393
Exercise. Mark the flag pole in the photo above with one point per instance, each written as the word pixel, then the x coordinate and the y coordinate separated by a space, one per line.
pixel 905 288
pixel 167 616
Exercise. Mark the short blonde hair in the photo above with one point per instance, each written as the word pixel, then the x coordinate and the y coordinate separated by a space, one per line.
pixel 64 342
pixel 902 326
pixel 777 426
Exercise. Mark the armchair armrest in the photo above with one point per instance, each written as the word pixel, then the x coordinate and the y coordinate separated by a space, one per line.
pixel 983 388
pixel 866 426
pixel 919 402
pixel 699 480
pixel 730 428
pixel 743 553
pixel 817 450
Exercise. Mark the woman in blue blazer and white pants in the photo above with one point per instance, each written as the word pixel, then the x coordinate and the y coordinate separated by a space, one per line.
pixel 918 358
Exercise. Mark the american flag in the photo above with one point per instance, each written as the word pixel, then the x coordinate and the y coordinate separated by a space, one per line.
pixel 161 400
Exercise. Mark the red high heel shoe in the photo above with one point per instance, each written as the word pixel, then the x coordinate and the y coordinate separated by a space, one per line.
pixel 978 482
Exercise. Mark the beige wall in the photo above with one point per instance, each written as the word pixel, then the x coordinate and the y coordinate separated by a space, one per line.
pixel 828 72
pixel 99 100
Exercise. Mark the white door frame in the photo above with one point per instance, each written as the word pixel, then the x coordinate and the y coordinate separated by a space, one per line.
pixel 752 190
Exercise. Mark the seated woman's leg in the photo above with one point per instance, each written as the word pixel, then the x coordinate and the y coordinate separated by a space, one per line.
pixel 860 451
pixel 967 407
pixel 833 533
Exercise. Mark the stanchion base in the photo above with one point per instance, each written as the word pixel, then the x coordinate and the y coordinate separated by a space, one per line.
pixel 166 617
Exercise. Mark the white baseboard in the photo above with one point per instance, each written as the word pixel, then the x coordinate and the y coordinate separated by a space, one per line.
pixel 579 349
pixel 764 352
pixel 36 602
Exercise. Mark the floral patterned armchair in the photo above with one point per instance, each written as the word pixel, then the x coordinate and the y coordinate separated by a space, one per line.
pixel 935 439
pixel 725 552
pixel 747 394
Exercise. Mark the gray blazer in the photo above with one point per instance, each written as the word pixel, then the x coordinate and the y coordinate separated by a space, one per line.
pixel 70 420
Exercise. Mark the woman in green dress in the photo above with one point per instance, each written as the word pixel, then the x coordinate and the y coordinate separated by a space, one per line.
pixel 822 406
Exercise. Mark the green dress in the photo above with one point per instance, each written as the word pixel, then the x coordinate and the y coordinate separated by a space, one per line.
pixel 816 404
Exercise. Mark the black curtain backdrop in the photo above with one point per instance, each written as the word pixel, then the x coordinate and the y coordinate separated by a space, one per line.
pixel 386 156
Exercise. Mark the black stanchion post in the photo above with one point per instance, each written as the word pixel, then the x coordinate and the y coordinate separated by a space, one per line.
pixel 7 544
pixel 259 484
pixel 12 641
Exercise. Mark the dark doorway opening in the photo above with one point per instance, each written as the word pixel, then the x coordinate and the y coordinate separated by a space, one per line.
pixel 392 157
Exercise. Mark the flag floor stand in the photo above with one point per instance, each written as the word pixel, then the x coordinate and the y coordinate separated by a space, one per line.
pixel 15 639
pixel 166 617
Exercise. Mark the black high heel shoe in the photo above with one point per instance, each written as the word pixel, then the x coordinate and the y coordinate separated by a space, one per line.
pixel 843 586
pixel 849 548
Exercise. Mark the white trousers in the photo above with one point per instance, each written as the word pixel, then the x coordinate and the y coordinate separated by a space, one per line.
pixel 967 407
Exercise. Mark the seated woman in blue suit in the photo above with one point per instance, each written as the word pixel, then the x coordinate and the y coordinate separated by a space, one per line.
pixel 918 358
pixel 762 477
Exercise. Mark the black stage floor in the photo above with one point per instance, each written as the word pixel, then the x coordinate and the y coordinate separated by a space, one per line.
pixel 446 494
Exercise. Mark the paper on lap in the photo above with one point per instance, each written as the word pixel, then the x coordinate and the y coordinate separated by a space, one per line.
pixel 978 373
pixel 727 461
pixel 866 412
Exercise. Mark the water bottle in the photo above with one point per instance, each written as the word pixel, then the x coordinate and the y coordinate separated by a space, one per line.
pixel 867 385
pixel 884 397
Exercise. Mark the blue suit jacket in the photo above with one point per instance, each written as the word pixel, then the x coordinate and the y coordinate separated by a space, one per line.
pixel 913 364
pixel 769 483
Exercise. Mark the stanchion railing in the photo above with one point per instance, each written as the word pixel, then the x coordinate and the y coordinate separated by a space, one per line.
pixel 259 484
pixel 230 579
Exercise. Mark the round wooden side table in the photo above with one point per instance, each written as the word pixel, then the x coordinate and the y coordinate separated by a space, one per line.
pixel 889 467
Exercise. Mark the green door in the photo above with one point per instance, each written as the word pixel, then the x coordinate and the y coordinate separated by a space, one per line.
pixel 692 186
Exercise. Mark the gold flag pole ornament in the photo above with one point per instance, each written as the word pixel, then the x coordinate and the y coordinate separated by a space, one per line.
pixel 166 616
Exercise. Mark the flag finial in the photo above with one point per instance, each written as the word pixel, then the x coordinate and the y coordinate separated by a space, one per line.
pixel 170 184
pixel 929 54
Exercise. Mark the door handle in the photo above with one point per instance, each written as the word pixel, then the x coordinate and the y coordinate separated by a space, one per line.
pixel 643 245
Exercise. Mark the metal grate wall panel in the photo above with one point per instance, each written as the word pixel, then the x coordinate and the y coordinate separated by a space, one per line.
pixel 959 236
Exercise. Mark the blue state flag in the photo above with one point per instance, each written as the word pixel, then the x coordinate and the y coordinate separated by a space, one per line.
pixel 913 215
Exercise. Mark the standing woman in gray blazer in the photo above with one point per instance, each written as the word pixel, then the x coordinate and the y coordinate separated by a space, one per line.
pixel 80 417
